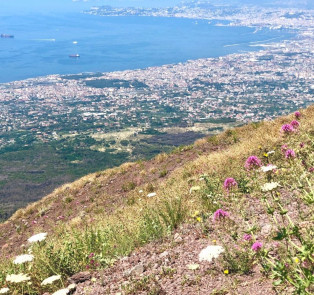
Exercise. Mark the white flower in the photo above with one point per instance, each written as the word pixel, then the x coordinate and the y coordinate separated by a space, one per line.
pixel 210 252
pixel 37 238
pixel 151 195
pixel 267 187
pixel 140 191
pixel 17 278
pixel 62 292
pixel 50 280
pixel 194 189
pixel 72 287
pixel 193 266
pixel 4 290
pixel 268 168
pixel 270 152
pixel 23 258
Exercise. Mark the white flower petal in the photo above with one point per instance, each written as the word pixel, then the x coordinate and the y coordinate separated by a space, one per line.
pixel 37 238
pixel 209 253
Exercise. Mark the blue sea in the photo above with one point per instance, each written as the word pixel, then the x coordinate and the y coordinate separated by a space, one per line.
pixel 43 43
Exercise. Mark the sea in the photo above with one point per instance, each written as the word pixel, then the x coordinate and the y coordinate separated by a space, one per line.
pixel 42 44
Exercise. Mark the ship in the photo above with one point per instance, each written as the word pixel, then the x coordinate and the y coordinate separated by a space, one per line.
pixel 74 55
pixel 6 36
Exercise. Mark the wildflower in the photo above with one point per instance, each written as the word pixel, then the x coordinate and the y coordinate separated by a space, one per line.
pixel 151 195
pixel 193 266
pixel 268 168
pixel 270 152
pixel 4 290
pixel 199 219
pixel 229 183
pixel 220 214
pixel 257 246
pixel 23 258
pixel 302 144
pixel 17 278
pixel 252 162
pixel 284 147
pixel 93 280
pixel 295 124
pixel 296 260
pixel 297 114
pixel 50 280
pixel 91 255
pixel 62 292
pixel 196 213
pixel 265 155
pixel 211 252
pixel 247 237
pixel 289 154
pixel 226 271
pixel 72 287
pixel 37 238
pixel 194 189
pixel 311 169
pixel 267 187
pixel 287 128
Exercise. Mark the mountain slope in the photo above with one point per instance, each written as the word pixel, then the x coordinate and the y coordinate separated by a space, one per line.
pixel 102 217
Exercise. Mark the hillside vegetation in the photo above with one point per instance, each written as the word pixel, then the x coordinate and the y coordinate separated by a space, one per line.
pixel 247 192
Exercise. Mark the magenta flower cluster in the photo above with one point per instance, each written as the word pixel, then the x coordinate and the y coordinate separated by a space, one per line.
pixel 219 214
pixel 297 114
pixel 295 124
pixel 247 237
pixel 229 183
pixel 252 162
pixel 289 154
pixel 287 128
pixel 257 246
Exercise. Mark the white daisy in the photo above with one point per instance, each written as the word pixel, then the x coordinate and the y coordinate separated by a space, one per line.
pixel 267 187
pixel 151 195
pixel 268 168
pixel 194 189
pixel 37 238
pixel 210 252
pixel 23 258
pixel 17 278
pixel 50 280
pixel 62 292
pixel 4 290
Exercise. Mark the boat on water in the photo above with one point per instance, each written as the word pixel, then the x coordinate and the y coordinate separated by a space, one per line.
pixel 74 55
pixel 6 36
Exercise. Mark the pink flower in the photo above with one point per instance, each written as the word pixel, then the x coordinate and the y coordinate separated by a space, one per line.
pixel 247 237
pixel 297 114
pixel 252 162
pixel 302 144
pixel 287 128
pixel 229 183
pixel 220 214
pixel 257 246
pixel 290 154
pixel 311 169
pixel 295 124
pixel 284 147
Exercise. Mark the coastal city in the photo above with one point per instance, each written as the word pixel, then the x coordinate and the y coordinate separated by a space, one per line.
pixel 222 15
pixel 242 88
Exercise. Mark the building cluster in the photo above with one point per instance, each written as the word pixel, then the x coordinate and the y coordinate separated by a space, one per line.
pixel 246 87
